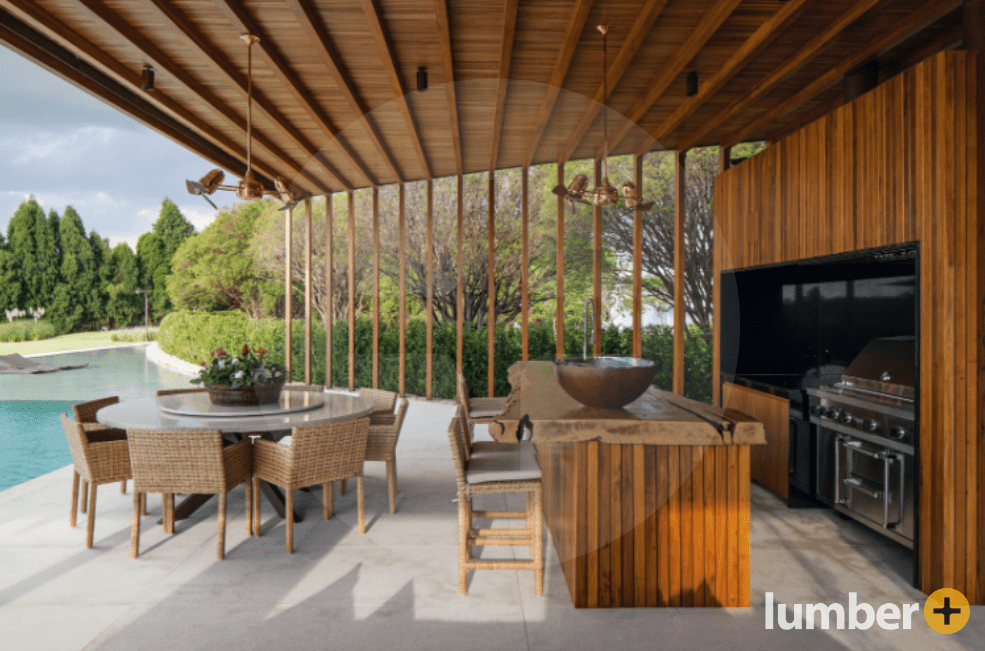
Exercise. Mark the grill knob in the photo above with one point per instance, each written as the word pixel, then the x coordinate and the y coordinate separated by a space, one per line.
pixel 898 432
pixel 845 417
pixel 870 425
pixel 831 413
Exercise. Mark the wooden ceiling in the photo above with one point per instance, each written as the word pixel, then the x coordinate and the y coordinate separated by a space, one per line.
pixel 511 82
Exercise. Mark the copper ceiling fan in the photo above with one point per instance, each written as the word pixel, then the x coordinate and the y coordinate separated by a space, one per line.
pixel 603 194
pixel 247 189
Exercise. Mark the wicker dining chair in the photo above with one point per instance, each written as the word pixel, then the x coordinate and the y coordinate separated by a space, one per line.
pixel 85 412
pixel 187 461
pixel 383 403
pixel 317 455
pixel 481 411
pixel 496 474
pixel 96 461
pixel 382 446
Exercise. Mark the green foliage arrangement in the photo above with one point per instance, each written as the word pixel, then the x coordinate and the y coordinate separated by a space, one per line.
pixel 190 336
pixel 27 330
pixel 243 370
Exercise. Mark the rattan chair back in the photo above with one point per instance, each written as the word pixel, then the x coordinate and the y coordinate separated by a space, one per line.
pixel 382 401
pixel 462 392
pixel 85 412
pixel 328 452
pixel 184 461
pixel 456 440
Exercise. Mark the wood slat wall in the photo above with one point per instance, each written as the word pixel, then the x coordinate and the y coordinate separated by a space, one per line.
pixel 898 164
pixel 770 463
pixel 649 526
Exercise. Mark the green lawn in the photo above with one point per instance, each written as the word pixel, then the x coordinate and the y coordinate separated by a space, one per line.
pixel 74 341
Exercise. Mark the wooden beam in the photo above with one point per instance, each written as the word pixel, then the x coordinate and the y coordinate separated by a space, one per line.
pixel 911 23
pixel 559 279
pixel 524 263
pixel 429 239
pixel 376 288
pixel 402 261
pixel 288 290
pixel 973 20
pixel 801 58
pixel 330 284
pixel 308 285
pixel 352 290
pixel 460 296
pixel 60 50
pixel 718 252
pixel 572 34
pixel 321 43
pixel 448 68
pixel 385 49
pixel 638 263
pixel 640 30
pixel 236 14
pixel 680 311
pixel 503 78
pixel 223 70
pixel 597 266
pixel 491 277
pixel 756 43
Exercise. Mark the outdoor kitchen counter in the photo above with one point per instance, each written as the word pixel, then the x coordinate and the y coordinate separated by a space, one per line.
pixel 646 505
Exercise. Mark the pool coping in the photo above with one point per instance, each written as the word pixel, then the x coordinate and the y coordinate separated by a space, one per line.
pixel 83 350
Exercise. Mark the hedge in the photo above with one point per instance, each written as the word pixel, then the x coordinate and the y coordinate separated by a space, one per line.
pixel 191 335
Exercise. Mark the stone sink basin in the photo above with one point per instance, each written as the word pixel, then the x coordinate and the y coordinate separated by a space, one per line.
pixel 605 382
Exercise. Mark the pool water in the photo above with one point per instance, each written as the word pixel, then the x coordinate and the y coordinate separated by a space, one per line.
pixel 32 441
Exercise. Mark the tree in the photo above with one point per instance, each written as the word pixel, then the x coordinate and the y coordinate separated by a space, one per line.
pixel 78 297
pixel 21 269
pixel 172 227
pixel 123 306
pixel 215 269
pixel 154 268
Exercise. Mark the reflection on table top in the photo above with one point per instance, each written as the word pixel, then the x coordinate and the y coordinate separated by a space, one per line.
pixel 198 405
pixel 144 413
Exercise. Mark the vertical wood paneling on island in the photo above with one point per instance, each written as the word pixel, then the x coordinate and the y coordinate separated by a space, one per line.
pixel 900 163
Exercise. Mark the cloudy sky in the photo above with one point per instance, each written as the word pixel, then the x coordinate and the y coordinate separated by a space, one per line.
pixel 67 148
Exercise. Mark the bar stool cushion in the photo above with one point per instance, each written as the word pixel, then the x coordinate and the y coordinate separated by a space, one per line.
pixel 517 465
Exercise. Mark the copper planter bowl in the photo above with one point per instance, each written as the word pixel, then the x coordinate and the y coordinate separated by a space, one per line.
pixel 605 382
pixel 266 393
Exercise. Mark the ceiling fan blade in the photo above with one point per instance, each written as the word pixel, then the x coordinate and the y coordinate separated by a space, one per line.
pixel 643 207
pixel 570 205
pixel 560 190
pixel 206 197
pixel 194 187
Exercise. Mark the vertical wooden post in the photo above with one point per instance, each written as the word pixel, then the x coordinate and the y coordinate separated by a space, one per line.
pixel 491 275
pixel 680 213
pixel 376 288
pixel 638 263
pixel 559 280
pixel 524 263
pixel 402 326
pixel 724 162
pixel 330 291
pixel 597 267
pixel 429 242
pixel 352 291
pixel 288 288
pixel 460 296
pixel 308 283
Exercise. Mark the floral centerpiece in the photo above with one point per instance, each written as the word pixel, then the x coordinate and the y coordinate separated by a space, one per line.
pixel 242 379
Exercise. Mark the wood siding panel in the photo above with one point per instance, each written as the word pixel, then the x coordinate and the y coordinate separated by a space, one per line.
pixel 900 163
pixel 770 463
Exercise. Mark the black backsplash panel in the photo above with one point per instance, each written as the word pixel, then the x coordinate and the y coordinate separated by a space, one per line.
pixel 809 320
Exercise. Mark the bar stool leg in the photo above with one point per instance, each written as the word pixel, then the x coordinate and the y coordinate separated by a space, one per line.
pixel 537 551
pixel 463 534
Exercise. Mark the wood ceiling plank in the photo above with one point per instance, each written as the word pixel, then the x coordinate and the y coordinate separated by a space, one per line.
pixel 637 35
pixel 238 18
pixel 448 68
pixel 804 56
pixel 752 46
pixel 321 43
pixel 929 12
pixel 502 86
pixel 385 48
pixel 576 26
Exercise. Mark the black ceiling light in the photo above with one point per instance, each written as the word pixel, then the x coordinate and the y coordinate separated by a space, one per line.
pixel 147 79
pixel 691 86
pixel 422 78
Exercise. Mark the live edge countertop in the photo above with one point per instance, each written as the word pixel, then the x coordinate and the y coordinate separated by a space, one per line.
pixel 655 418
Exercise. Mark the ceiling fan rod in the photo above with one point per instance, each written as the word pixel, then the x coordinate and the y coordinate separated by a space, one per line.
pixel 250 39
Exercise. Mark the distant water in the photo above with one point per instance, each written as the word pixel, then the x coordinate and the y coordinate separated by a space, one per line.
pixel 32 441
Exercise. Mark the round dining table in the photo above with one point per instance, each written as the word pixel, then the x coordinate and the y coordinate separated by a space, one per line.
pixel 195 411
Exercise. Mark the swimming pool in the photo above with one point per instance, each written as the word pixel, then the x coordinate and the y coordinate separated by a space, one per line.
pixel 32 441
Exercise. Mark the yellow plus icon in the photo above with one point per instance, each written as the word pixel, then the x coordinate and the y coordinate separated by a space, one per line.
pixel 947 611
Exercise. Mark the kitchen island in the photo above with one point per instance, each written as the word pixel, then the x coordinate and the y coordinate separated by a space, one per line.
pixel 647 505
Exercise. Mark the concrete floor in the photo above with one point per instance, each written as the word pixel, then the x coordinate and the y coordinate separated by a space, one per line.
pixel 396 587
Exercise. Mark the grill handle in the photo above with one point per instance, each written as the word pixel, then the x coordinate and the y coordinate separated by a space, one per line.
pixel 857 485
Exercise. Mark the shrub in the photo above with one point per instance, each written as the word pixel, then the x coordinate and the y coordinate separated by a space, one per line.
pixel 27 330
pixel 191 335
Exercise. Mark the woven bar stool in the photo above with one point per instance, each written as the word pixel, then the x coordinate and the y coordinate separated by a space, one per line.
pixel 481 411
pixel 85 412
pixel 96 462
pixel 313 455
pixel 187 461
pixel 492 474
pixel 382 446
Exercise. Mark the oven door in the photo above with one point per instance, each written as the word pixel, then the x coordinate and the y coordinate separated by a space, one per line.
pixel 870 481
